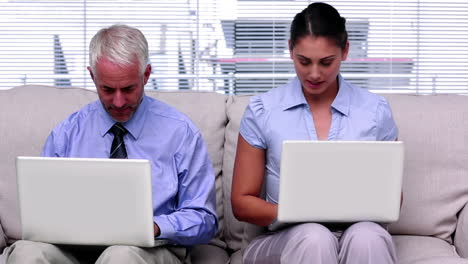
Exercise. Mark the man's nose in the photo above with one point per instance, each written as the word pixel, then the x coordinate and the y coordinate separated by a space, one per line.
pixel 118 100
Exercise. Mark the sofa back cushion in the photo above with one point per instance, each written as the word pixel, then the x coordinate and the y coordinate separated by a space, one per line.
pixel 239 233
pixel 435 185
pixel 32 111
pixel 29 114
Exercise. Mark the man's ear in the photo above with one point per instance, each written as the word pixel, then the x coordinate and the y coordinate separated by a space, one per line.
pixel 90 72
pixel 147 73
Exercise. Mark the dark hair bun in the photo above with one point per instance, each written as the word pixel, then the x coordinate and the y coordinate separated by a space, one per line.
pixel 319 19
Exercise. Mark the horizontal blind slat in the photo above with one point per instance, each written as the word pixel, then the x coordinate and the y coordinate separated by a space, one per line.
pixel 238 46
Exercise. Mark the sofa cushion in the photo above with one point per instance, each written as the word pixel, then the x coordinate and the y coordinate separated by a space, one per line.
pixel 239 234
pixel 236 257
pixel 435 186
pixel 3 238
pixel 420 249
pixel 37 109
pixel 30 113
pixel 441 260
pixel 236 105
pixel 208 254
pixel 461 233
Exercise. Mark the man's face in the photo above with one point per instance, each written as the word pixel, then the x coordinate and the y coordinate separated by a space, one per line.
pixel 120 88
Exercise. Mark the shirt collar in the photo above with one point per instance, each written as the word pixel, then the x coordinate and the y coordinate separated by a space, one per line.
pixel 343 98
pixel 295 96
pixel 134 125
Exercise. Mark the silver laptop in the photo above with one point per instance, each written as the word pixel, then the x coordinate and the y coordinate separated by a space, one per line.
pixel 86 201
pixel 340 181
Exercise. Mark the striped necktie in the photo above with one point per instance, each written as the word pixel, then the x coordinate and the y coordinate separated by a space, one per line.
pixel 118 150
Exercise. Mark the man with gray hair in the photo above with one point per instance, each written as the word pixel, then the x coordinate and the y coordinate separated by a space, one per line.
pixel 185 208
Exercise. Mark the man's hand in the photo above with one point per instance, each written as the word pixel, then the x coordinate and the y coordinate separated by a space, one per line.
pixel 157 232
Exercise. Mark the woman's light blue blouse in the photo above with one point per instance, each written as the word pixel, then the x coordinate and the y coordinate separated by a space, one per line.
pixel 283 114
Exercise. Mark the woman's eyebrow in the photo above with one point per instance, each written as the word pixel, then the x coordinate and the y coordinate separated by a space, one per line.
pixel 306 58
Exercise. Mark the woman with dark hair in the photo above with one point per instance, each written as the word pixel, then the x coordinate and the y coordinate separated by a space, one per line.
pixel 318 104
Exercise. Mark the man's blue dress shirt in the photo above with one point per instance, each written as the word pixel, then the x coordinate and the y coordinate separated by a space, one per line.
pixel 184 199
pixel 283 114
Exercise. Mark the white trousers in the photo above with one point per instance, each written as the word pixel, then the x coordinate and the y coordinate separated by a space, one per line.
pixel 361 243
pixel 24 251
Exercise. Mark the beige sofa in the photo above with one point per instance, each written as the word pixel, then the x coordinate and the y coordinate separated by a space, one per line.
pixel 433 227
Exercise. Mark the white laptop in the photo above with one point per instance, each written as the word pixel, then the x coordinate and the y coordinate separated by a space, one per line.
pixel 340 181
pixel 86 201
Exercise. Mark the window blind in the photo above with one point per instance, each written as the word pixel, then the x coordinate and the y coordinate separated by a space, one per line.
pixel 234 47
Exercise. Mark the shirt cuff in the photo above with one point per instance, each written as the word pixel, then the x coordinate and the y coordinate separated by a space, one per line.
pixel 166 230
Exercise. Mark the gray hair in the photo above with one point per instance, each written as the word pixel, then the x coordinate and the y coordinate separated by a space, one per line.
pixel 120 44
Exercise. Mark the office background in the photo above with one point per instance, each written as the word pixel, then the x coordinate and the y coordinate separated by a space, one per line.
pixel 237 46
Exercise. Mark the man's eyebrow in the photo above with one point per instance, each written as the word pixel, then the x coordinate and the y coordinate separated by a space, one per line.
pixel 126 87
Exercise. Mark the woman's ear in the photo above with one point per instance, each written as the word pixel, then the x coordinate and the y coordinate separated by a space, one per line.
pixel 344 51
pixel 290 48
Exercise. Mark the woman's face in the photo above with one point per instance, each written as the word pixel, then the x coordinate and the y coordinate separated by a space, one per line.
pixel 317 61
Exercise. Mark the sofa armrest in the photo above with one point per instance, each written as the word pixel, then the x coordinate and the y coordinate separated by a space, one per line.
pixel 461 233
